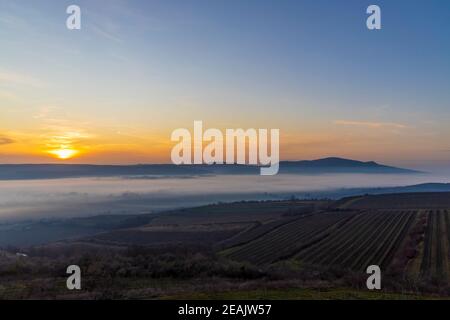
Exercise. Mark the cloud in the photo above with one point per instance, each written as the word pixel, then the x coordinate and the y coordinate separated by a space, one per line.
pixel 8 96
pixel 369 124
pixel 109 35
pixel 5 140
pixel 12 21
pixel 20 79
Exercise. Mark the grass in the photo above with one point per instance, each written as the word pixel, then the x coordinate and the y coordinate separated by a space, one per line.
pixel 301 294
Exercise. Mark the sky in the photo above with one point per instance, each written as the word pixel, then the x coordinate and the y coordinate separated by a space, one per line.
pixel 114 91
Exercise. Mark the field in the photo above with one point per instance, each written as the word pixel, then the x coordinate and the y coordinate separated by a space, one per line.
pixel 283 241
pixel 354 233
pixel 349 240
pixel 369 238
pixel 210 225
pixel 424 200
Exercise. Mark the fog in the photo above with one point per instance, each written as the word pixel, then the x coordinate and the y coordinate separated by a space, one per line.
pixel 62 198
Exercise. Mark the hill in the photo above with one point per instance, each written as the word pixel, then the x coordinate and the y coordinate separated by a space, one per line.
pixel 337 165
pixel 320 166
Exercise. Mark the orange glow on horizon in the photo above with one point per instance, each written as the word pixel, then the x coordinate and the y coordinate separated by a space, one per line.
pixel 64 153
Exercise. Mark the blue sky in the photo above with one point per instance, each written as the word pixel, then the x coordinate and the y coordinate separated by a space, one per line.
pixel 139 69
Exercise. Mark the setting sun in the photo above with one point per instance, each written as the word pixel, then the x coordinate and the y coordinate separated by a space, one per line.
pixel 64 154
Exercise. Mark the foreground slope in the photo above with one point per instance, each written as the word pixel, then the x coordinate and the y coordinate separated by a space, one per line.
pixel 274 249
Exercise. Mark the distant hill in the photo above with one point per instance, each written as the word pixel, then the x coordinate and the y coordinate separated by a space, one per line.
pixel 337 165
pixel 321 166
pixel 350 192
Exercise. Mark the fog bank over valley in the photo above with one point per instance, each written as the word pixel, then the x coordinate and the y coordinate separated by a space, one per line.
pixel 61 198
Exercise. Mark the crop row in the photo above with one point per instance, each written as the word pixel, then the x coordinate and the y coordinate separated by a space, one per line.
pixel 255 232
pixel 286 240
pixel 370 238
pixel 319 252
pixel 436 246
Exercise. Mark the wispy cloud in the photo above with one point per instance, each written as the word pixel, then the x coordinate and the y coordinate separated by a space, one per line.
pixel 56 132
pixel 12 21
pixel 109 35
pixel 20 79
pixel 370 124
pixel 105 24
pixel 5 140
pixel 8 96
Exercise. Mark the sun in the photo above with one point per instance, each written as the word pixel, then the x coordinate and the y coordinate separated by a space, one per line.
pixel 64 154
